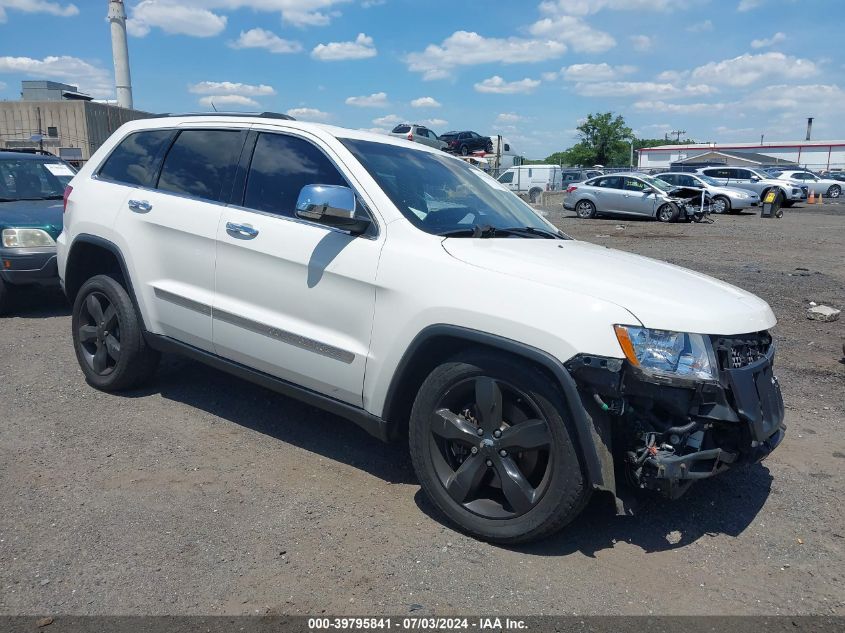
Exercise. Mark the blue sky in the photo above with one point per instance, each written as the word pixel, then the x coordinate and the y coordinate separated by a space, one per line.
pixel 723 70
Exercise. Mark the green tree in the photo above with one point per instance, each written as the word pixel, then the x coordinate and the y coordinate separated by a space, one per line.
pixel 603 139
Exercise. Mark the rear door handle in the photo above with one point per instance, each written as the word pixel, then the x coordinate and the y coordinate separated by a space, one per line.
pixel 140 206
pixel 243 231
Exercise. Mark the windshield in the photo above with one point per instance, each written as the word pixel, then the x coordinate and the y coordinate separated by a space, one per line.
pixel 440 194
pixel 707 180
pixel 662 185
pixel 28 179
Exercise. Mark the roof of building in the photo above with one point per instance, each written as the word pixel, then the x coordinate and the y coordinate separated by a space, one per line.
pixel 751 157
pixel 742 146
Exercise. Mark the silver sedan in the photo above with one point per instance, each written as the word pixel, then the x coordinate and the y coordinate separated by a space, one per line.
pixel 725 199
pixel 623 194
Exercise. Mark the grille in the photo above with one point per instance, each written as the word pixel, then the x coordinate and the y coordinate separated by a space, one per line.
pixel 740 351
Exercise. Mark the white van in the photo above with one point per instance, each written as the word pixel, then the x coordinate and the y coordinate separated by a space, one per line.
pixel 533 179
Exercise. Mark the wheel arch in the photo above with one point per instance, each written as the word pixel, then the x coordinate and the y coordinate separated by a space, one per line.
pixel 91 255
pixel 437 343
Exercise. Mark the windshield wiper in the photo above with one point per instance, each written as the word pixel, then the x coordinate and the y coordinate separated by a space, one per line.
pixel 486 231
pixel 533 232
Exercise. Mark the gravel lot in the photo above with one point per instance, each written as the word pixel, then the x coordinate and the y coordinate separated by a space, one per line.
pixel 204 494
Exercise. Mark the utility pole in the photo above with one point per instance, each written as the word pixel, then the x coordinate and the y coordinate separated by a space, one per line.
pixel 762 136
pixel 677 134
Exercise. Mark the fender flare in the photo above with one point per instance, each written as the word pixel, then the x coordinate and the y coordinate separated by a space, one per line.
pixel 599 468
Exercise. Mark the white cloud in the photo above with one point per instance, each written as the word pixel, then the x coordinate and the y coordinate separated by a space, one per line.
pixel 573 31
pixel 361 48
pixel 435 122
pixel 673 75
pixel 269 41
pixel 425 102
pixel 37 6
pixel 747 69
pixel 595 72
pixel 701 27
pixel 508 118
pixel 768 41
pixel 679 108
pixel 375 100
pixel 308 114
pixel 388 120
pixel 214 101
pixel 748 5
pixel 91 79
pixel 231 88
pixel 497 85
pixel 175 19
pixel 586 7
pixel 464 48
pixel 641 42
pixel 818 99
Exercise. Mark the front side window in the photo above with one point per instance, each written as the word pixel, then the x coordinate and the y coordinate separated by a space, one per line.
pixel 32 179
pixel 670 178
pixel 740 174
pixel 281 166
pixel 632 184
pixel 200 162
pixel 506 178
pixel 136 160
pixel 440 194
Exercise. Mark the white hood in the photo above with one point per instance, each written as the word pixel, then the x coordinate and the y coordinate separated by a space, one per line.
pixel 660 295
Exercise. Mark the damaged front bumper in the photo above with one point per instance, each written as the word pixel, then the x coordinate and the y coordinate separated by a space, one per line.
pixel 665 433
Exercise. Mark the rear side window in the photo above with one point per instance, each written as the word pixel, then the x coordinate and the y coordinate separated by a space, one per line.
pixel 610 182
pixel 281 166
pixel 200 162
pixel 135 161
pixel 402 129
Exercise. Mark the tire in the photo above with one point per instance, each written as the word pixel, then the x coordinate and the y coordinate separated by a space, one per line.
pixel 725 202
pixel 489 148
pixel 585 209
pixel 534 194
pixel 113 354
pixel 464 150
pixel 502 496
pixel 834 192
pixel 667 212
pixel 787 203
pixel 4 297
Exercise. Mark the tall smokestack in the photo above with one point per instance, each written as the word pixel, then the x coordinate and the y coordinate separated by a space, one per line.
pixel 120 52
pixel 809 127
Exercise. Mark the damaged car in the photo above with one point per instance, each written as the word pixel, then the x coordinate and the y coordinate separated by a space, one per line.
pixel 636 194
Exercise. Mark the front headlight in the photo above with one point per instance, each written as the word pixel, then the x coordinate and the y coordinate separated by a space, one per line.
pixel 26 238
pixel 665 353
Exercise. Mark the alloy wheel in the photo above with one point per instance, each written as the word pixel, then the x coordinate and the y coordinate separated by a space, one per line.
pixel 491 448
pixel 719 205
pixel 99 333
pixel 584 209
pixel 834 192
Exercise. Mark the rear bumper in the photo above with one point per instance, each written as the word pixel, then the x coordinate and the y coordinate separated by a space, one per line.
pixel 29 266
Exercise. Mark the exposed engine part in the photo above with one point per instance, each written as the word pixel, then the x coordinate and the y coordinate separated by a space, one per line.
pixel 695 205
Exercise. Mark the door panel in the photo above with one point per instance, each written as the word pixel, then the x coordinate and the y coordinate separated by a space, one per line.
pixel 634 200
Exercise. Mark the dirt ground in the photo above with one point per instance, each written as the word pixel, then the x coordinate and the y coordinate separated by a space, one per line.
pixel 204 495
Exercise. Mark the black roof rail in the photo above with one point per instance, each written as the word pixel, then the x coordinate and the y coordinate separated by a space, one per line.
pixel 263 115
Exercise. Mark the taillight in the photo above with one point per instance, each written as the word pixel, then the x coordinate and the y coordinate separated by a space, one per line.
pixel 410 136
pixel 571 188
pixel 68 191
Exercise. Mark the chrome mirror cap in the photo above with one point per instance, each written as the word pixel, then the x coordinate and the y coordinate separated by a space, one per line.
pixel 332 205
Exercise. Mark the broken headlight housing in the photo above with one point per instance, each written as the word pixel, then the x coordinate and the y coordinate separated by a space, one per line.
pixel 667 353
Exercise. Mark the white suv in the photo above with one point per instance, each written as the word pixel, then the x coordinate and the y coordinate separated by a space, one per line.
pixel 399 287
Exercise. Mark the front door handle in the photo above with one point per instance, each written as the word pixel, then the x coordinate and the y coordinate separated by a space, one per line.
pixel 140 206
pixel 243 231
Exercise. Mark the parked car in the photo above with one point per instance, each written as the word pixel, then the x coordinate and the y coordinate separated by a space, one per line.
pixel 467 142
pixel 31 190
pixel 568 176
pixel 725 199
pixel 511 357
pixel 828 187
pixel 837 175
pixel 624 194
pixel 418 134
pixel 758 182
pixel 532 179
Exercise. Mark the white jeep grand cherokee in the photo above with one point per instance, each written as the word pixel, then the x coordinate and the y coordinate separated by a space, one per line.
pixel 401 288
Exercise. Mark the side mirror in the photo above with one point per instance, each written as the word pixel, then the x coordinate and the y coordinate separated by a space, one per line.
pixel 332 205
pixel 648 190
pixel 755 178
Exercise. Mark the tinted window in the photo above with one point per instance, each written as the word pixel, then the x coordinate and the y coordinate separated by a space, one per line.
pixel 610 182
pixel 507 177
pixel 402 129
pixel 422 131
pixel 200 162
pixel 719 173
pixel 742 174
pixel 136 159
pixel 281 166
pixel 670 178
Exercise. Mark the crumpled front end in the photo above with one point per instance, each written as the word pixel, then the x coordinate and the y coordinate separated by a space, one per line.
pixel 668 432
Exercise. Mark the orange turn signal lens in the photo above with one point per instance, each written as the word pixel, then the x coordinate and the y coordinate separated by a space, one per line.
pixel 627 346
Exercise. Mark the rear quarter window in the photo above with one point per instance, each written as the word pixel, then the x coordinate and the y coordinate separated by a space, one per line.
pixel 401 129
pixel 136 159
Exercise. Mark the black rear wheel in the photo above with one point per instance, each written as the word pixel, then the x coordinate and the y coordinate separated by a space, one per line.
pixel 4 297
pixel 491 444
pixel 107 337
pixel 464 150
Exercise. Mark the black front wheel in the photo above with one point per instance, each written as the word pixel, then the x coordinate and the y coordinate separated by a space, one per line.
pixel 834 192
pixel 107 337
pixel 491 442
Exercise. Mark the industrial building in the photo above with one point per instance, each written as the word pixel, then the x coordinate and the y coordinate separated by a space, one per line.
pixel 59 119
pixel 814 155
